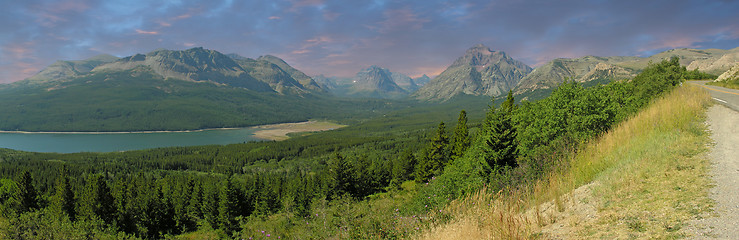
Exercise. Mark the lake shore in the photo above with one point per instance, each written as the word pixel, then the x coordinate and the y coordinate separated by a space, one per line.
pixel 279 132
pixel 276 132
pixel 126 132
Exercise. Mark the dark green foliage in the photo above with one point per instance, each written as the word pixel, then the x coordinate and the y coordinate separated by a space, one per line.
pixel 461 139
pixel 96 201
pixel 228 207
pixel 499 135
pixel 340 177
pixel 403 168
pixel 435 156
pixel 63 202
pixel 8 197
pixel 27 195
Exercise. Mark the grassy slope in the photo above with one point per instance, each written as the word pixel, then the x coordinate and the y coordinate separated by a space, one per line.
pixel 643 179
pixel 734 84
pixel 138 100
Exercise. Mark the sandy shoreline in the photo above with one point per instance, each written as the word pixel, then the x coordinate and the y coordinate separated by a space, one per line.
pixel 275 132
pixel 180 131
pixel 280 131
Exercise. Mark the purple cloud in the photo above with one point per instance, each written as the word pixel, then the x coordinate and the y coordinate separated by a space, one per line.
pixel 335 37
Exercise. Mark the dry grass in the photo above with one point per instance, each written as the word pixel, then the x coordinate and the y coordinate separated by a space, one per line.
pixel 643 179
pixel 279 132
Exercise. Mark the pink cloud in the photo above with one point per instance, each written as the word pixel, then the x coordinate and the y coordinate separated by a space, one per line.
pixel 139 31
pixel 183 16
pixel 430 71
pixel 300 51
pixel 274 18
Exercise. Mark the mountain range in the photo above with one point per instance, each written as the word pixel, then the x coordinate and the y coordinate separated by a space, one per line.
pixel 371 82
pixel 201 88
pixel 169 90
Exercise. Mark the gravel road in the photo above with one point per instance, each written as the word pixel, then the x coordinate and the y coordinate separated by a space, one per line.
pixel 724 125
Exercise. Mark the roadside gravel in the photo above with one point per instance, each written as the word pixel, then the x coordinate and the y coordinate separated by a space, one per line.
pixel 724 223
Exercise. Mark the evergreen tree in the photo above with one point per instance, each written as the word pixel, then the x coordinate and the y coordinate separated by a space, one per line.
pixel 209 206
pixel 339 177
pixel 461 140
pixel 27 195
pixel 228 207
pixel 500 135
pixel 63 202
pixel 403 168
pixel 193 208
pixel 122 192
pixel 97 201
pixel 436 156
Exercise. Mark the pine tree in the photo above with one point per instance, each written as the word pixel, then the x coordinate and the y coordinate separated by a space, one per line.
pixel 228 207
pixel 97 201
pixel 27 195
pixel 339 177
pixel 461 140
pixel 500 135
pixel 436 156
pixel 403 168
pixel 63 202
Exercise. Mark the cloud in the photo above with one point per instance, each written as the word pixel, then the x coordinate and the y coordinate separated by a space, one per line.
pixel 300 51
pixel 336 37
pixel 139 31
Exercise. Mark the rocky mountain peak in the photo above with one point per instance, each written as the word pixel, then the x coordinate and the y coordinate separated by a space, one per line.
pixel 480 71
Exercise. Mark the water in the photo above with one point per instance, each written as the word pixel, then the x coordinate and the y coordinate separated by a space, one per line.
pixel 110 142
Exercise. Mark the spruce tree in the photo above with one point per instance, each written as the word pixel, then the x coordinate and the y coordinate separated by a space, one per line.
pixel 228 207
pixel 500 135
pixel 436 156
pixel 27 195
pixel 97 201
pixel 63 202
pixel 339 177
pixel 403 168
pixel 461 139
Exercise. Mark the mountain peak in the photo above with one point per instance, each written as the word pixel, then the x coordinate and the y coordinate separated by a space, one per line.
pixel 296 74
pixel 376 81
pixel 195 64
pixel 480 71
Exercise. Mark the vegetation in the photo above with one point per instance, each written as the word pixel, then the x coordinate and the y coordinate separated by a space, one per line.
pixel 609 189
pixel 139 100
pixel 389 177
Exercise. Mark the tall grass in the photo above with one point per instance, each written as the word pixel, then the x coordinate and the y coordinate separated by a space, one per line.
pixel 626 170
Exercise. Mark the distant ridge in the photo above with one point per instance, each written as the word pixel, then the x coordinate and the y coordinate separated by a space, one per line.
pixel 376 82
pixel 480 71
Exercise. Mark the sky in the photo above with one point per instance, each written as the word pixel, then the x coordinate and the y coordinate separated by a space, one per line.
pixel 339 38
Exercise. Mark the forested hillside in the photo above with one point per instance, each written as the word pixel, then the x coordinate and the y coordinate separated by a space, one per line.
pixel 389 177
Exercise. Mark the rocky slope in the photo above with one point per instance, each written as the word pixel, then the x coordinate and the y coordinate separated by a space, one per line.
pixel 61 70
pixel 584 69
pixel 302 78
pixel 480 71
pixel 196 64
pixel 422 80
pixel 375 82
pixel 404 81
pixel 730 75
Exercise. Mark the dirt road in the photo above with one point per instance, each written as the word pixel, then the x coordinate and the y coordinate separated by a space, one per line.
pixel 724 125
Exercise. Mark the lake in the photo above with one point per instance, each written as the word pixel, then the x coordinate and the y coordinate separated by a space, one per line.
pixel 110 142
